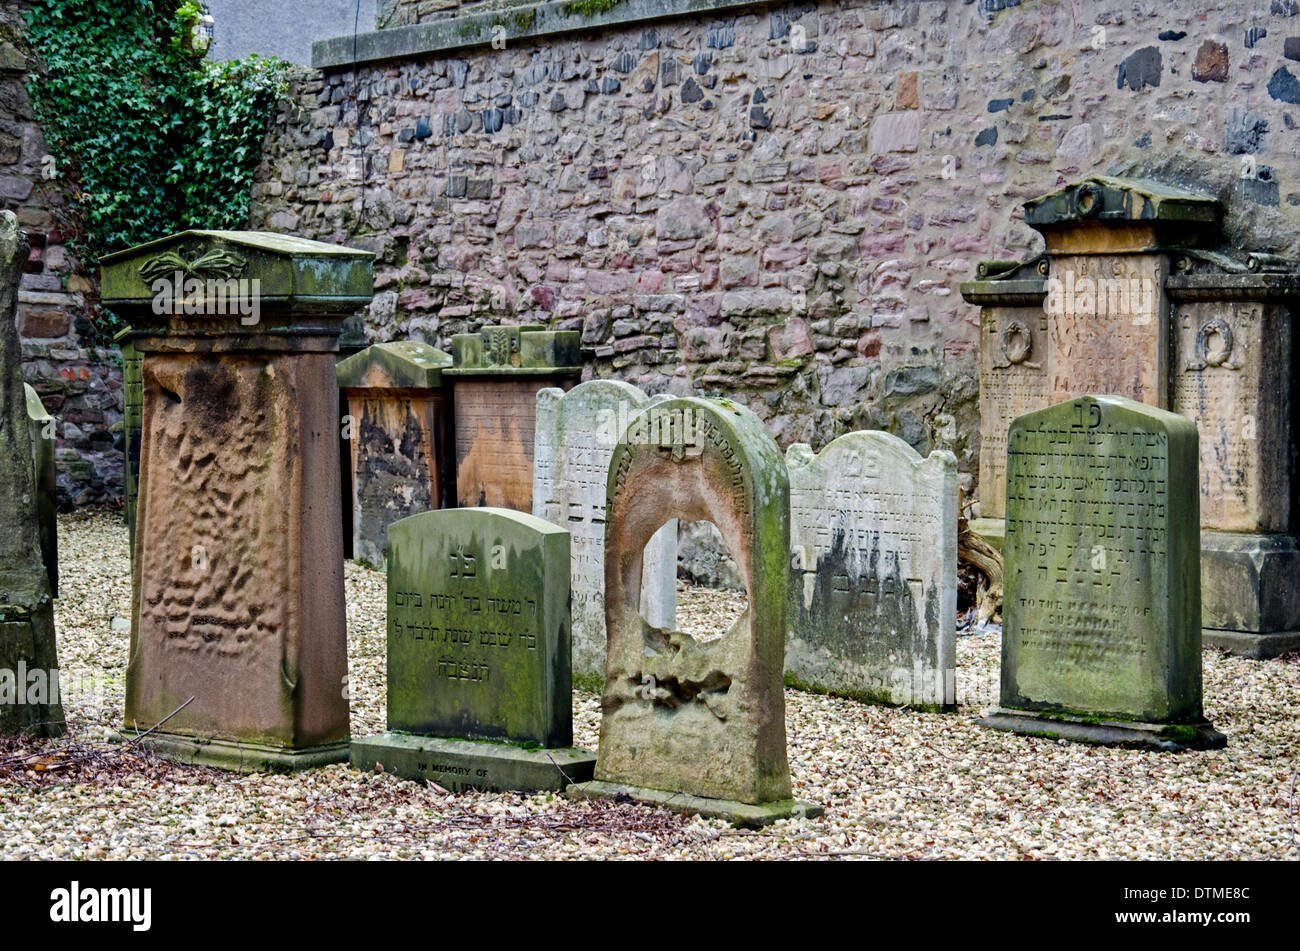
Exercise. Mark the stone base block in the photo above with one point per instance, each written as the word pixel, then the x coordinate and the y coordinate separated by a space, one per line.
pixel 243 757
pixel 745 814
pixel 1252 645
pixel 1248 582
pixel 1166 737
pixel 459 765
pixel 992 530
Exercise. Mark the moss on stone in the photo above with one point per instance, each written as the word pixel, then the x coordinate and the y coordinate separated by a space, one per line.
pixel 590 8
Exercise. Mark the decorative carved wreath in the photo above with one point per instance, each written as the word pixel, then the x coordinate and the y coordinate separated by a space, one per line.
pixel 1017 341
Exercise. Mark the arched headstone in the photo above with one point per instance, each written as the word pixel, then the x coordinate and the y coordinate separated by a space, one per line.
pixel 697 726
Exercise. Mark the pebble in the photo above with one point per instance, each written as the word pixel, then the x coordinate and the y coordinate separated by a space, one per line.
pixel 896 783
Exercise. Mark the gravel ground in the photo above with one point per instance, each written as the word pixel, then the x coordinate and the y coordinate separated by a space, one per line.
pixel 896 784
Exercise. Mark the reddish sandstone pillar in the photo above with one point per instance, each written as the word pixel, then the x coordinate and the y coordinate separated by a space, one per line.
pixel 238 577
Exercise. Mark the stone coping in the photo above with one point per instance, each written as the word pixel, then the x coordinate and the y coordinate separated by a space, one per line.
pixel 476 28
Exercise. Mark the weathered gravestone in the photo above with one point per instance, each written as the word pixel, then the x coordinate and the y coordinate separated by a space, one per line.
pixel 576 435
pixel 41 425
pixel 400 439
pixel 479 689
pixel 495 376
pixel 238 570
pixel 1140 295
pixel 29 698
pixel 697 726
pixel 132 423
pixel 1101 639
pixel 873 583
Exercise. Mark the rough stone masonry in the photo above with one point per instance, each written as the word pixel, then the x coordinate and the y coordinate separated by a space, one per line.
pixel 770 202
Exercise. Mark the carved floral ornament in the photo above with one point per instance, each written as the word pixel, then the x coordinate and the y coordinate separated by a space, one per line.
pixel 213 264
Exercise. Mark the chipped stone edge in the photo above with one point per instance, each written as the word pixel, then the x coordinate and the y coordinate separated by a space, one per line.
pixel 1164 737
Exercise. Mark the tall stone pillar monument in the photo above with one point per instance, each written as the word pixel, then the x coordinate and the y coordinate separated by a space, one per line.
pixel 1139 295
pixel 238 630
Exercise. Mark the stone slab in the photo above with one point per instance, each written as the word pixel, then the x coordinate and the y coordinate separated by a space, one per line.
pixel 1249 582
pixel 243 757
pixel 575 438
pixel 873 571
pixel 1102 587
pixel 478 627
pixel 1130 733
pixel 459 765
pixel 1253 645
pixel 478 28
pixel 744 814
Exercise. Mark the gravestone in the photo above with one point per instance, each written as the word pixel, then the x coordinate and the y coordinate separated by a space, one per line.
pixel 697 726
pixel 41 426
pixel 1140 295
pixel 873 580
pixel 1101 639
pixel 29 678
pixel 576 435
pixel 352 340
pixel 132 423
pixel 400 439
pixel 479 691
pixel 237 593
pixel 496 375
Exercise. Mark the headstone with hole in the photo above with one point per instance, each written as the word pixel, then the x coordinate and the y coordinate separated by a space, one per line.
pixel 692 724
pixel 576 435
pixel 29 681
pixel 1101 640
pixel 873 582
pixel 495 376
pixel 1139 294
pixel 238 629
pixel 479 683
pixel 399 428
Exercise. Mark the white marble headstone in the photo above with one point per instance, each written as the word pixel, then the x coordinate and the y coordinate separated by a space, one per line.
pixel 873 583
pixel 575 438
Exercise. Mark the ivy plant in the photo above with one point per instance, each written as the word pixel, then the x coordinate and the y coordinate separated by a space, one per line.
pixel 148 136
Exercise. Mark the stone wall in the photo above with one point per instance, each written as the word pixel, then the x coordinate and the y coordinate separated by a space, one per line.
pixel 776 203
pixel 80 385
